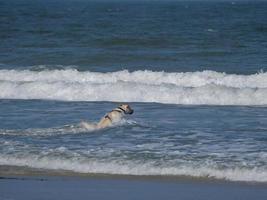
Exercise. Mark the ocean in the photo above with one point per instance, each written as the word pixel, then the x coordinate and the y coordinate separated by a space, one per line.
pixel 193 71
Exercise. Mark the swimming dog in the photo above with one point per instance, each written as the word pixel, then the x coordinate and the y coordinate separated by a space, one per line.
pixel 110 118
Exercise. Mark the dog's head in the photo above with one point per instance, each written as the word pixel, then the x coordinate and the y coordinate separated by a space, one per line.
pixel 126 108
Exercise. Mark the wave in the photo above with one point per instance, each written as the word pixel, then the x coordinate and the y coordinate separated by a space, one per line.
pixel 132 168
pixel 192 88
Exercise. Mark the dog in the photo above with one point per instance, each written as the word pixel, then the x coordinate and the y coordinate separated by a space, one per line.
pixel 110 118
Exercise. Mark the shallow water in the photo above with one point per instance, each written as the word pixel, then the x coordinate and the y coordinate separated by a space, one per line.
pixel 203 141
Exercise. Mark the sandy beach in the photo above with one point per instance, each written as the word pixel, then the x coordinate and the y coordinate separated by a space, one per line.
pixel 34 187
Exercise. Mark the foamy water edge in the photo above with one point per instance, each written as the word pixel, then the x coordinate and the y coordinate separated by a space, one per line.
pixel 134 169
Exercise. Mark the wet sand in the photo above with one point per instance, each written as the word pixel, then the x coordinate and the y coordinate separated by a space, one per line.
pixel 33 187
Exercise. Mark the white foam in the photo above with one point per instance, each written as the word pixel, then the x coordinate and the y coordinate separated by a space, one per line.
pixel 207 87
pixel 131 168
pixel 67 129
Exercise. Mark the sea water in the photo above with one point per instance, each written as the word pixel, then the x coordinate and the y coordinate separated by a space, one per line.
pixel 193 71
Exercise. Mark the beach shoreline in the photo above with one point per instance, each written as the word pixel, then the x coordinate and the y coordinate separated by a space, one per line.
pixel 22 172
pixel 107 187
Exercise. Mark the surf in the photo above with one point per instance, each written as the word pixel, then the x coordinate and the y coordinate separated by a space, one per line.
pixel 188 88
pixel 48 161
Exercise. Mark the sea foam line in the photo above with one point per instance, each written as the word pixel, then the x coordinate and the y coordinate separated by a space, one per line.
pixel 207 87
pixel 131 168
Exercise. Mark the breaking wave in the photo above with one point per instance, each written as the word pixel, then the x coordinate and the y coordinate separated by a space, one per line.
pixel 206 87
pixel 132 168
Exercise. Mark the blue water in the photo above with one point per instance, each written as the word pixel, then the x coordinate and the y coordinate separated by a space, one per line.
pixel 114 35
pixel 194 72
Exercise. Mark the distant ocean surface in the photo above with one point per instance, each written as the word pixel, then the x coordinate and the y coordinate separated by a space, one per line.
pixel 193 71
